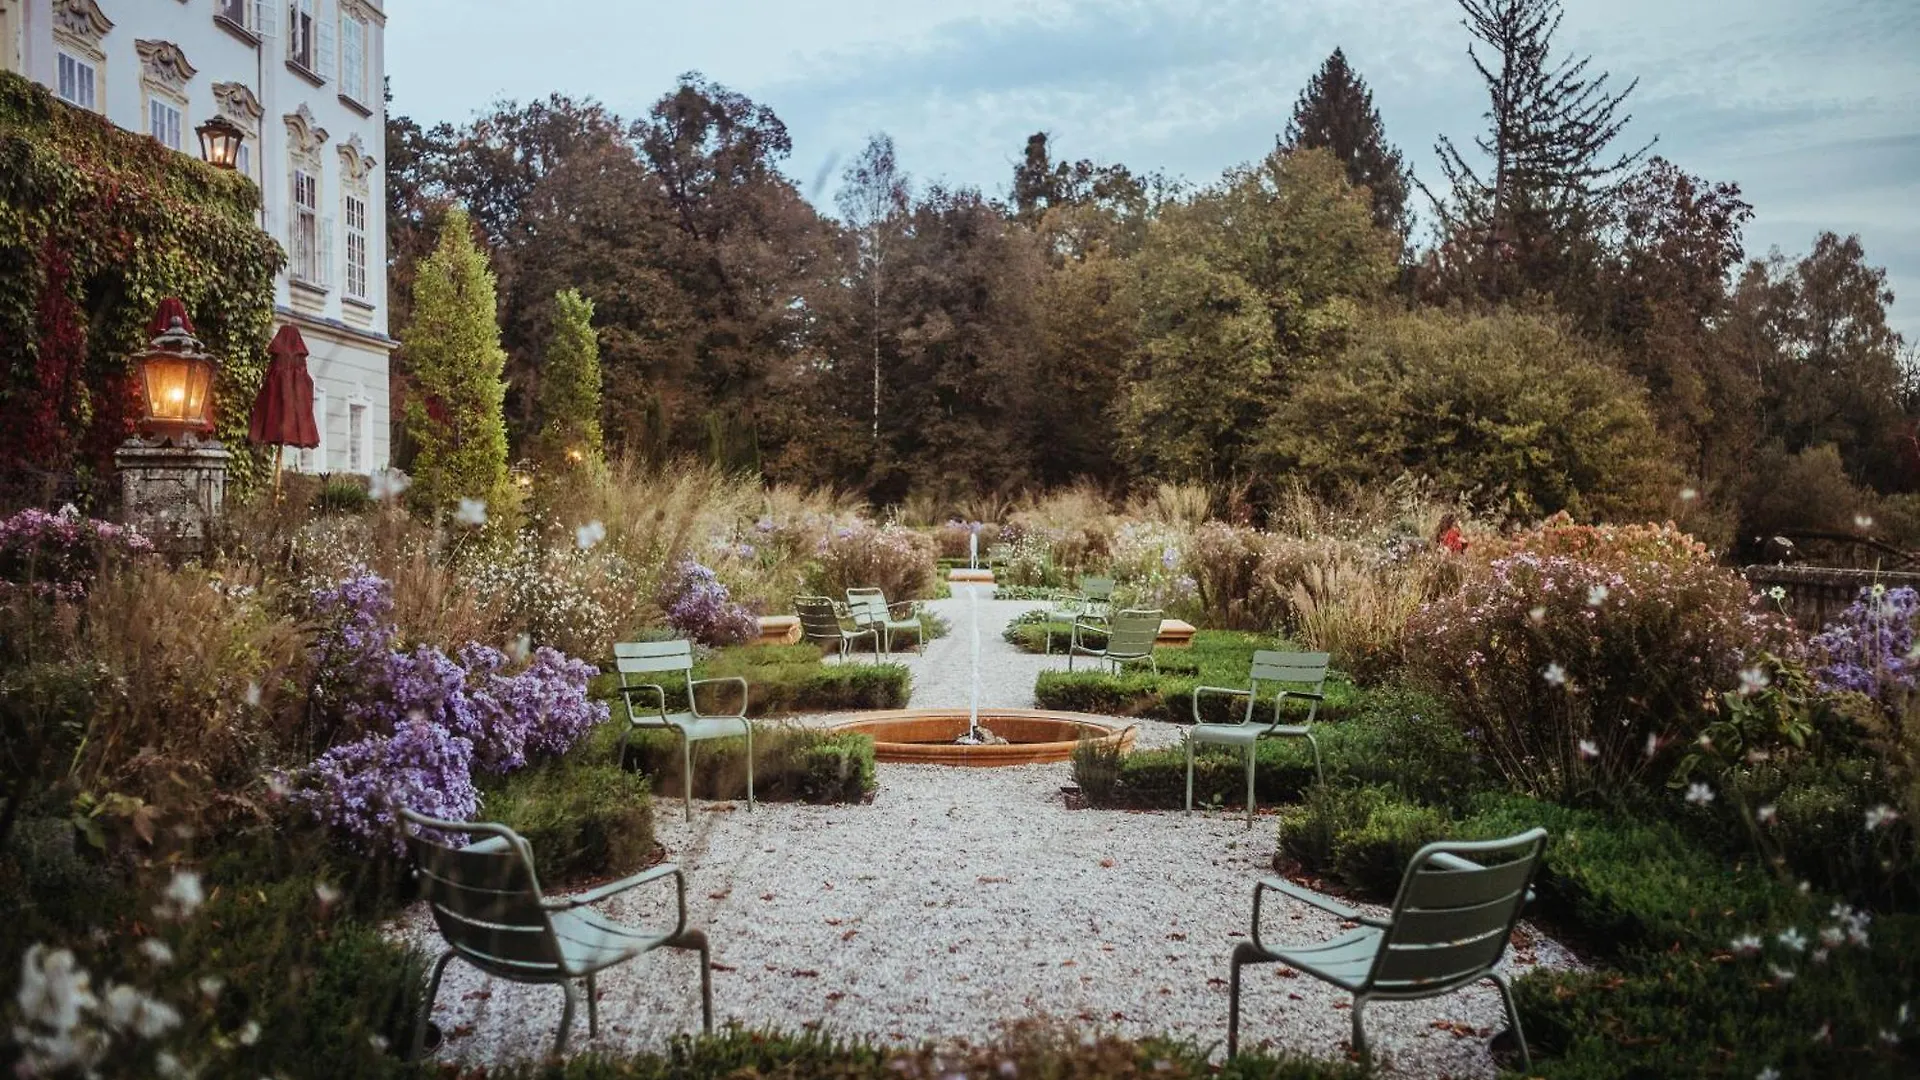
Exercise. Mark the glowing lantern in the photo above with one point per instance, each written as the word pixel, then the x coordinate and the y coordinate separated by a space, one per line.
pixel 176 377
pixel 220 142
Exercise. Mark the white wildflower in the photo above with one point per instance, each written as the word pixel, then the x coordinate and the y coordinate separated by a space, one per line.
pixel 1881 815
pixel 183 896
pixel 1555 674
pixel 249 1033
pixel 520 648
pixel 1537 614
pixel 1820 955
pixel 1781 974
pixel 1832 936
pixel 472 512
pixel 1793 939
pixel 1653 744
pixel 1824 1034
pixel 1589 749
pixel 589 534
pixel 378 1042
pixel 1765 814
pixel 1746 944
pixel 1777 593
pixel 1863 521
pixel 1879 590
pixel 1768 1073
pixel 211 985
pixel 157 951
pixel 169 1066
pixel 1699 794
pixel 1753 680
pixel 389 484
pixel 253 694
pixel 1891 1038
pixel 328 892
pixel 1688 494
pixel 53 988
pixel 129 1010
pixel 1596 595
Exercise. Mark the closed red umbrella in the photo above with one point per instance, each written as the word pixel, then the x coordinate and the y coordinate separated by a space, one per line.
pixel 283 410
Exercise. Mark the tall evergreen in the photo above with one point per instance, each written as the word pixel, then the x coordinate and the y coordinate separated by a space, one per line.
pixel 570 386
pixel 452 350
pixel 1335 112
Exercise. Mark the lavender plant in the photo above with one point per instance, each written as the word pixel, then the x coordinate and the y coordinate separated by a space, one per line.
pixel 58 554
pixel 701 608
pixel 1870 648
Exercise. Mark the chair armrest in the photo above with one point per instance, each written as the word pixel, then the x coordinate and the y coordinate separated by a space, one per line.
pixel 615 888
pixel 1199 690
pixel 659 691
pixel 912 606
pixel 693 703
pixel 1309 695
pixel 1307 896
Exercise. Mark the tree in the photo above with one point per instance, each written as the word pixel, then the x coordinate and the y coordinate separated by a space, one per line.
pixel 1814 334
pixel 1510 405
pixel 570 387
pixel 1531 223
pixel 873 197
pixel 1335 113
pixel 453 353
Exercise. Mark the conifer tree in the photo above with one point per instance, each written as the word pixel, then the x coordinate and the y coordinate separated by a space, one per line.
pixel 1335 112
pixel 570 434
pixel 452 350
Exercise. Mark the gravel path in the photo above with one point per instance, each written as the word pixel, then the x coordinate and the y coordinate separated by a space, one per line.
pixel 964 899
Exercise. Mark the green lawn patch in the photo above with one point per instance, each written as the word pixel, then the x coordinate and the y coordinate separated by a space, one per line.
pixel 785 679
pixel 1216 658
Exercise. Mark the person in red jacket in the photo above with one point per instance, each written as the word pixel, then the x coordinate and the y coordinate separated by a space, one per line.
pixel 1449 536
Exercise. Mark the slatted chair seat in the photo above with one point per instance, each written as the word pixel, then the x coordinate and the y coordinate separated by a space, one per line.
pixel 1301 676
pixel 672 661
pixel 486 901
pixel 1130 639
pixel 869 608
pixel 1448 928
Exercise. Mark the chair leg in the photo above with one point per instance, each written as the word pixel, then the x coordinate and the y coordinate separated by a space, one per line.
pixel 1244 953
pixel 697 940
pixel 686 777
pixel 1250 755
pixel 749 727
pixel 1360 1030
pixel 566 1019
pixel 593 1008
pixel 1189 742
pixel 426 1007
pixel 1513 1018
pixel 1319 773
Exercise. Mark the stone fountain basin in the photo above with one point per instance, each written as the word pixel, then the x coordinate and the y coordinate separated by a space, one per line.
pixel 925 736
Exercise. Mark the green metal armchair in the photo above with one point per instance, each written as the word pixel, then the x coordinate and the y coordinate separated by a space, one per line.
pixel 486 900
pixel 820 623
pixel 1286 673
pixel 870 609
pixel 1449 926
pixel 673 660
pixel 1130 638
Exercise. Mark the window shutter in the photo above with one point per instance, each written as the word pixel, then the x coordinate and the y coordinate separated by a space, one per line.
pixel 323 38
pixel 266 17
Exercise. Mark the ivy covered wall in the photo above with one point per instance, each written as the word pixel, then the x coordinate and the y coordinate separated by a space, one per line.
pixel 98 224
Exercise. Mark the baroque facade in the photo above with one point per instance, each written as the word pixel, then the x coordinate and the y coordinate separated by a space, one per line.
pixel 303 79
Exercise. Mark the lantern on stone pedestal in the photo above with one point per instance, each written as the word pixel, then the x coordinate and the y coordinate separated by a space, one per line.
pixel 173 474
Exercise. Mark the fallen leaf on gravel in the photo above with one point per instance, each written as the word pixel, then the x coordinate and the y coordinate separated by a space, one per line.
pixel 1106 948
pixel 1107 863
pixel 461 1032
pixel 805 973
pixel 835 922
pixel 993 881
pixel 848 936
pixel 1165 990
pixel 1286 972
pixel 476 995
pixel 721 895
pixel 1291 996
pixel 1068 963
pixel 718 966
pixel 766 896
pixel 836 995
pixel 1342 1005
pixel 1117 1015
pixel 1216 981
pixel 1176 937
pixel 829 886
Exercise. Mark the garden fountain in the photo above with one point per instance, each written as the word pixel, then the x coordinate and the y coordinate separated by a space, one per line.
pixel 953 736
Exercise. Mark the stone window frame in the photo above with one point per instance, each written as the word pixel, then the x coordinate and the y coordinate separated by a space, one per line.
pixel 164 75
pixel 78 29
pixel 356 169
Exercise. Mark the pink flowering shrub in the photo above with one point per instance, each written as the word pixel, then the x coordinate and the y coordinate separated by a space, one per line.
pixel 701 608
pixel 892 558
pixel 59 554
pixel 1589 656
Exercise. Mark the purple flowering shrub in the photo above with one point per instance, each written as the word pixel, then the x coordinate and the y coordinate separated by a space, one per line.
pixel 700 607
pixel 892 558
pixel 424 721
pixel 59 554
pixel 1592 655
pixel 1870 648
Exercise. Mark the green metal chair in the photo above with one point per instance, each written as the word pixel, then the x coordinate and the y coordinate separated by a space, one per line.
pixel 870 609
pixel 675 658
pixel 820 623
pixel 1066 606
pixel 1098 592
pixel 1130 638
pixel 1282 671
pixel 486 900
pixel 1449 926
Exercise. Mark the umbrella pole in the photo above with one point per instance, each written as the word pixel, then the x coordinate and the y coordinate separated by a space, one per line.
pixel 279 456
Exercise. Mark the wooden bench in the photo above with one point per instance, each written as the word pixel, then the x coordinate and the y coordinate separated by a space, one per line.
pixel 779 630
pixel 982 576
pixel 1174 634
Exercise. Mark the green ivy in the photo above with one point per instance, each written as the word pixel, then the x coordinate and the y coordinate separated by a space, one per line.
pixel 97 224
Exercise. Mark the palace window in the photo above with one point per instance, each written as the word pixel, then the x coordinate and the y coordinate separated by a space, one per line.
pixel 76 81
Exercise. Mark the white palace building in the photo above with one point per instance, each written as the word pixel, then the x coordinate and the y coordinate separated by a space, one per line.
pixel 303 81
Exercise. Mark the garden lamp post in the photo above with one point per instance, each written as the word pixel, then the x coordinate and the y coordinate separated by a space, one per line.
pixel 173 474
pixel 220 142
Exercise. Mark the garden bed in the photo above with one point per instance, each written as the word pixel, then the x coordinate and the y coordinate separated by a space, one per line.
pixel 784 680
pixel 1216 658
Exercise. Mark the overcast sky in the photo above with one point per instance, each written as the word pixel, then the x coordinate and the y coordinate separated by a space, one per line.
pixel 1811 106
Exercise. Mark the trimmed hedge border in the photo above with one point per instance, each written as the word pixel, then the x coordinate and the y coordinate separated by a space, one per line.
pixel 1216 658
pixel 789 764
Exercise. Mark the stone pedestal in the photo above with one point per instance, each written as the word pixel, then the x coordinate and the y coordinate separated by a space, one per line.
pixel 172 494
